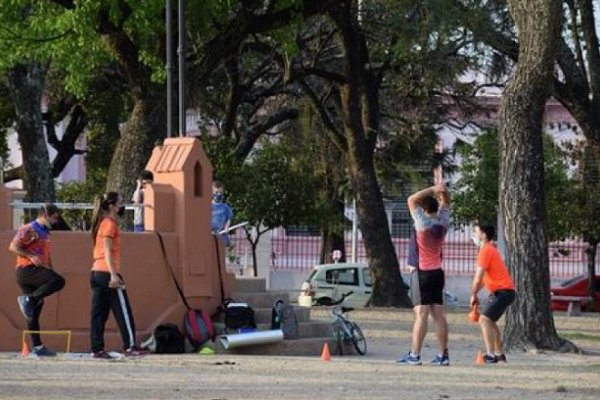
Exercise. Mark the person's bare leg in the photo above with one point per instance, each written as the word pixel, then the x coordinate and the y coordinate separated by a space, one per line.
pixel 487 331
pixel 441 326
pixel 419 328
pixel 497 338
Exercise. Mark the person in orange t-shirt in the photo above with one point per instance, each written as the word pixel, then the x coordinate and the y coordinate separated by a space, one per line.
pixel 108 287
pixel 493 275
pixel 34 271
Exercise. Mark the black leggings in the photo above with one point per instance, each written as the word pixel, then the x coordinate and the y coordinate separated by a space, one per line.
pixel 37 283
pixel 105 299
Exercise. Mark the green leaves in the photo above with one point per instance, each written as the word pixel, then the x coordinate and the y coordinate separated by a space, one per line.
pixel 269 189
pixel 476 192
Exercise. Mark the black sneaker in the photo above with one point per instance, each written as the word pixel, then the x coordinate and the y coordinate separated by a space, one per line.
pixel 42 351
pixel 102 355
pixel 501 358
pixel 489 359
pixel 26 306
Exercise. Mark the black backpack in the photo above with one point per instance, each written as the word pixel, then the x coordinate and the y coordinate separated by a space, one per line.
pixel 166 339
pixel 284 317
pixel 237 315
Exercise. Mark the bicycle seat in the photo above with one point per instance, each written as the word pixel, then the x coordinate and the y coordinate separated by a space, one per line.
pixel 347 309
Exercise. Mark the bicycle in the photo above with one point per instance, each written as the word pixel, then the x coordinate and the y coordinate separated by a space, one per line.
pixel 346 331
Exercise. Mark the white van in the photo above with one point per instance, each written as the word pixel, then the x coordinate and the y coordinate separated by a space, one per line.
pixel 328 282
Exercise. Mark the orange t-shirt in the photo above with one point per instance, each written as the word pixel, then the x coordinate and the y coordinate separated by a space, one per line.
pixel 108 229
pixel 496 275
pixel 35 239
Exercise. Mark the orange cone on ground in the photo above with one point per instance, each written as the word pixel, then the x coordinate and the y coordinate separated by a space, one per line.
pixel 479 358
pixel 325 356
pixel 25 350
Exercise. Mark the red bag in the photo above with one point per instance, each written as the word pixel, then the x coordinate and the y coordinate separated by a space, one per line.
pixel 198 327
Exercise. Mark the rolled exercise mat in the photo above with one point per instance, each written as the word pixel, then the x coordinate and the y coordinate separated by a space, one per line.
pixel 251 339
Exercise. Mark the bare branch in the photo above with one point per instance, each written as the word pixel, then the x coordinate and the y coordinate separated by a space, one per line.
pixel 15 36
pixel 66 148
pixel 68 4
pixel 14 174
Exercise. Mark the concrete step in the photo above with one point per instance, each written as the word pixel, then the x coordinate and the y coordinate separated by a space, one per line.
pixel 260 300
pixel 263 315
pixel 250 285
pixel 305 329
pixel 299 347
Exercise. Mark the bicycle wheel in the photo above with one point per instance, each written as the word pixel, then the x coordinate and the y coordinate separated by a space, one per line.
pixel 338 334
pixel 358 339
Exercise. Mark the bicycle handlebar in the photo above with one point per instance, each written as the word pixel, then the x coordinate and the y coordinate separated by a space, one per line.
pixel 335 303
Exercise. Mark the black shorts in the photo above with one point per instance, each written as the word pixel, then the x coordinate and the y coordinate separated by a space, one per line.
pixel 427 287
pixel 497 303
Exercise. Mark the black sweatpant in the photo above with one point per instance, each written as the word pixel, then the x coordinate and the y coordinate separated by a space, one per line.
pixel 105 299
pixel 37 283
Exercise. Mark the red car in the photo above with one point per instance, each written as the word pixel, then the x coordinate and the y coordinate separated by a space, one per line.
pixel 578 287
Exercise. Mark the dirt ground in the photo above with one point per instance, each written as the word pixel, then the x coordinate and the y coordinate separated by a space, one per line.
pixel 529 375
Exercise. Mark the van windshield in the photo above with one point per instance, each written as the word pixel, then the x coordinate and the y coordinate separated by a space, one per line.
pixel 312 274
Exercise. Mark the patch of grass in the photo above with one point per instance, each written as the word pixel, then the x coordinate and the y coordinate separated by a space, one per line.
pixel 580 336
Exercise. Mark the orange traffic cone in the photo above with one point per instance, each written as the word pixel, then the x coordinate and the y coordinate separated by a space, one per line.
pixel 473 315
pixel 25 350
pixel 479 358
pixel 325 356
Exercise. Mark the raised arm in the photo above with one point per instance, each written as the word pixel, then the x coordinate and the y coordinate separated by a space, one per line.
pixel 443 196
pixel 415 199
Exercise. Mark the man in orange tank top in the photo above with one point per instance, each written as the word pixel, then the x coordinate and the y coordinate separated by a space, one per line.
pixel 492 274
pixel 34 271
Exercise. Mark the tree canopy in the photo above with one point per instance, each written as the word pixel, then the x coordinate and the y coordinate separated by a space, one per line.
pixel 476 191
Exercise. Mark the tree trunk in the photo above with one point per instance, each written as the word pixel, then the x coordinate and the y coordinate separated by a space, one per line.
pixel 333 234
pixel 146 125
pixel 26 85
pixel 254 259
pixel 388 287
pixel 591 252
pixel 253 245
pixel 360 113
pixel 529 322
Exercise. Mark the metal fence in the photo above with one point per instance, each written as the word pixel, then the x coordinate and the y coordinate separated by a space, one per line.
pixel 300 249
pixel 299 252
pixel 76 216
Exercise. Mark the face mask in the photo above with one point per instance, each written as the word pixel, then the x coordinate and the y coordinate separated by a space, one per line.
pixel 476 241
pixel 218 197
pixel 121 211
